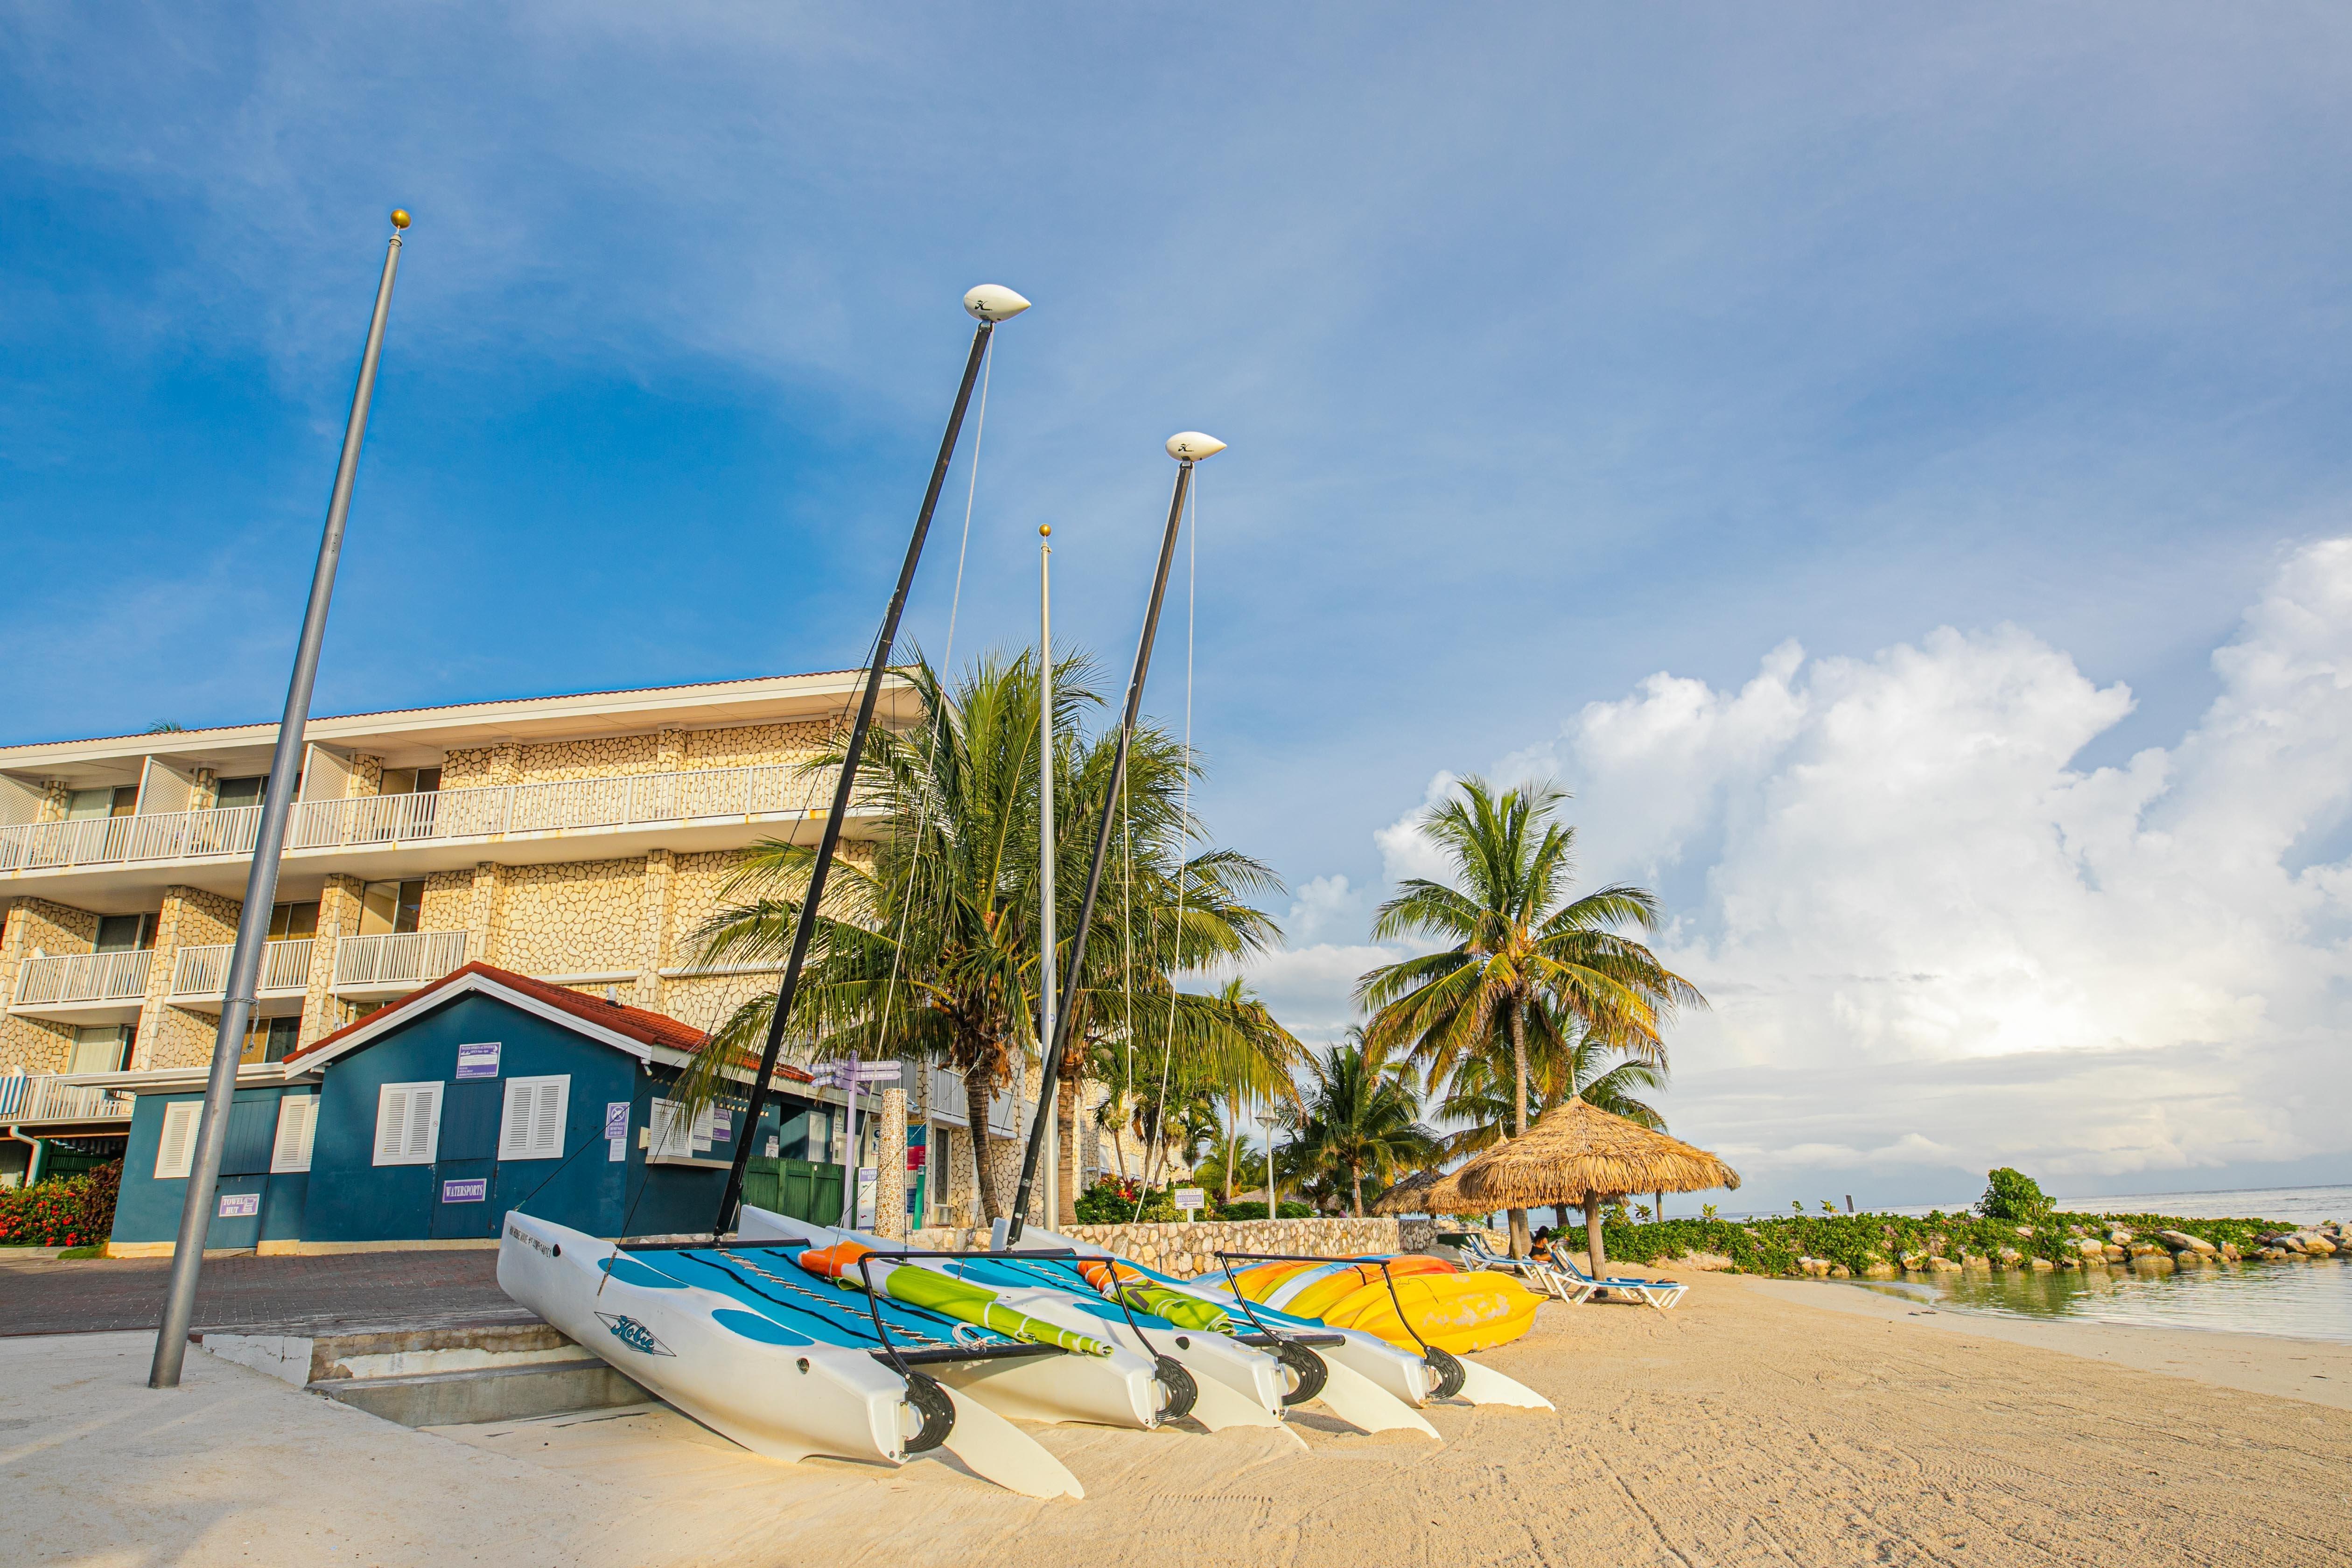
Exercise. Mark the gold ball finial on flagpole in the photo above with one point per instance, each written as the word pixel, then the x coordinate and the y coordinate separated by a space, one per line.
pixel 400 217
pixel 1044 531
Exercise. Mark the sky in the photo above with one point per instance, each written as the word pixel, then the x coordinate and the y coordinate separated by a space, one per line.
pixel 1886 462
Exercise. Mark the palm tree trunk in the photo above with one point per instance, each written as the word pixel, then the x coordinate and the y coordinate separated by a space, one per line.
pixel 1232 1123
pixel 1520 1243
pixel 975 1109
pixel 1356 1180
pixel 1596 1252
pixel 1065 1116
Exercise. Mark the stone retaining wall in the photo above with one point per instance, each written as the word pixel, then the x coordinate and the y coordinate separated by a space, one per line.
pixel 1186 1250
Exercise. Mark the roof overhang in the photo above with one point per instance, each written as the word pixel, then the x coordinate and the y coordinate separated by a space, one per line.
pixel 417 737
pixel 368 1031
pixel 182 1079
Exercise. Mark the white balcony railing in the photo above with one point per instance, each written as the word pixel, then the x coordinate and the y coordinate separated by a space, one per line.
pixel 83 976
pixel 409 958
pixel 947 1097
pixel 1001 1108
pixel 567 805
pixel 204 970
pixel 39 1096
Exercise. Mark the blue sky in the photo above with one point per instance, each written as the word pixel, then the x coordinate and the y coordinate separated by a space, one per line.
pixel 1557 348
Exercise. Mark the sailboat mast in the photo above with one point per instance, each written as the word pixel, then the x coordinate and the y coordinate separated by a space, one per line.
pixel 989 304
pixel 1048 1094
pixel 1187 447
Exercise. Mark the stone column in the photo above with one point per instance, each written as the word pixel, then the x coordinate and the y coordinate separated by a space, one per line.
pixel 367 777
pixel 338 917
pixel 482 926
pixel 890 1173
pixel 669 751
pixel 54 794
pixel 506 763
pixel 653 928
pixel 152 1019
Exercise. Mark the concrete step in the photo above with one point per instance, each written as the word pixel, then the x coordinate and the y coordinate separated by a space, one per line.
pixel 486 1394
pixel 441 1376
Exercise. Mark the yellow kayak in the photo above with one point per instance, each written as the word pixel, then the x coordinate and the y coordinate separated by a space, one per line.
pixel 1455 1311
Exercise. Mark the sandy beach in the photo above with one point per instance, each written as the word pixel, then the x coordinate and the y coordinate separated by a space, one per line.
pixel 1762 1422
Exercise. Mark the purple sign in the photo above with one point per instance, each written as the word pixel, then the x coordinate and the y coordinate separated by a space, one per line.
pixel 472 1190
pixel 240 1205
pixel 479 1060
pixel 616 1120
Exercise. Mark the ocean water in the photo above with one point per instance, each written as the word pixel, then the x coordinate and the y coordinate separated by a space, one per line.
pixel 2290 1301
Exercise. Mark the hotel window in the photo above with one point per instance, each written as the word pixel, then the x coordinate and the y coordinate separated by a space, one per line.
pixel 101 1049
pixel 270 1039
pixel 412 781
pixel 293 922
pixel 85 803
pixel 125 933
pixel 391 908
pixel 240 792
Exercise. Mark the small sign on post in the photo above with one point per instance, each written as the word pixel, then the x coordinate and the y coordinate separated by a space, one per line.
pixel 1191 1201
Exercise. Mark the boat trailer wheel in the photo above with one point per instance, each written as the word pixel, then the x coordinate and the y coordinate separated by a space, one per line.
pixel 1182 1392
pixel 931 1402
pixel 1311 1373
pixel 1451 1374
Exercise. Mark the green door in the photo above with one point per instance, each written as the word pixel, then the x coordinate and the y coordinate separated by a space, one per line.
pixel 801 1189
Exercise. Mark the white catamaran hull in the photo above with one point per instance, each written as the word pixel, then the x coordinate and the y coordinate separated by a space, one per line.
pixel 1397 1373
pixel 1237 1386
pixel 779 1398
pixel 1121 1389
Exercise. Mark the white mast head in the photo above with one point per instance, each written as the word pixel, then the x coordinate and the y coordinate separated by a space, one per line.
pixel 995 302
pixel 1191 446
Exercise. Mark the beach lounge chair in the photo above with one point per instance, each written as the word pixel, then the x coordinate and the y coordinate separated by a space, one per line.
pixel 1535 1271
pixel 1659 1293
pixel 1574 1285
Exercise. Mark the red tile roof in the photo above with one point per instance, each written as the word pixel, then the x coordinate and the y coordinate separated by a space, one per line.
pixel 638 1023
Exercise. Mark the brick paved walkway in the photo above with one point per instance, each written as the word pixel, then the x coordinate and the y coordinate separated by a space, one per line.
pixel 346 1293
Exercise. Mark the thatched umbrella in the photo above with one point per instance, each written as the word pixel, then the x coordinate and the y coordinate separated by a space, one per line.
pixel 1579 1153
pixel 1409 1196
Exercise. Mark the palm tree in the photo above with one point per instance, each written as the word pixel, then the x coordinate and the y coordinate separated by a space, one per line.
pixel 1361 1119
pixel 931 949
pixel 1565 1057
pixel 1517 938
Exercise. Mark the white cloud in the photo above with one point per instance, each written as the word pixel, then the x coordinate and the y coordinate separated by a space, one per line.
pixel 1935 944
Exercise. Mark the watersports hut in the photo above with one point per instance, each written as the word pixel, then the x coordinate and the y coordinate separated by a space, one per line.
pixel 433 1115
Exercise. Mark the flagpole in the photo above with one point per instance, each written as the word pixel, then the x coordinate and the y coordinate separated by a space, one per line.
pixel 261 879
pixel 1187 448
pixel 1048 1091
pixel 989 304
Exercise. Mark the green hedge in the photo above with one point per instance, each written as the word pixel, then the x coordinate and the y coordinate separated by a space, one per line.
pixel 1859 1240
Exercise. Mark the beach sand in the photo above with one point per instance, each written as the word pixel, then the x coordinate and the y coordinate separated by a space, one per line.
pixel 1766 1422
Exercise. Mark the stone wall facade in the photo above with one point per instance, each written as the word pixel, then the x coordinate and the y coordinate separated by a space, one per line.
pixel 1188 1251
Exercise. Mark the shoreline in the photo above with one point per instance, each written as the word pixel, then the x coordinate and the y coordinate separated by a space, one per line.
pixel 2316 1371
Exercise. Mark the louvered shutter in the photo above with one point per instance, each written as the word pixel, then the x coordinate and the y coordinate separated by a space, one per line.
pixel 533 1125
pixel 407 1124
pixel 176 1150
pixel 423 1123
pixel 298 1120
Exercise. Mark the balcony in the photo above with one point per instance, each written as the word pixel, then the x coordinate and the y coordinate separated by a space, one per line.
pixel 379 968
pixel 945 1093
pixel 200 977
pixel 43 1098
pixel 439 830
pixel 88 988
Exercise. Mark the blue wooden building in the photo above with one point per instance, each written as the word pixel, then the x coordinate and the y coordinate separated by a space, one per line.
pixel 434 1116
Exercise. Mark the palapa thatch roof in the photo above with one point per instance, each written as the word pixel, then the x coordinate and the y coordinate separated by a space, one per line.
pixel 1578 1149
pixel 1409 1196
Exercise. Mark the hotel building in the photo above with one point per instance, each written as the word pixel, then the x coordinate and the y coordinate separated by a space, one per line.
pixel 578 840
